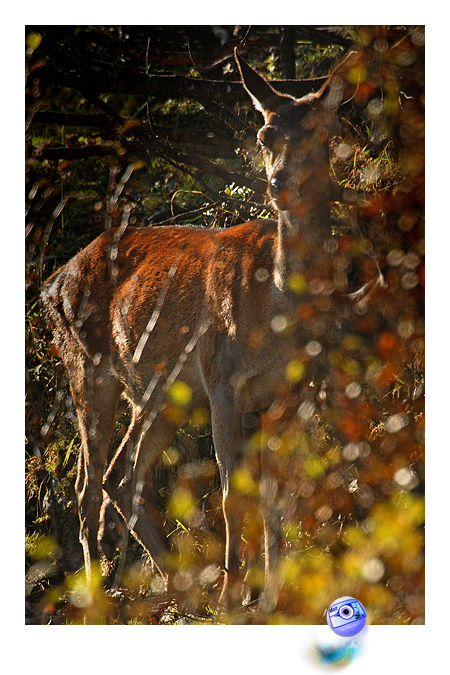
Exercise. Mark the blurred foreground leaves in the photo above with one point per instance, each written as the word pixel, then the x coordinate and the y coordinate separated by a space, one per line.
pixel 347 464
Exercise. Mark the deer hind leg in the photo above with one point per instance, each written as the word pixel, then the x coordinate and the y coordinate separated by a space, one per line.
pixel 130 483
pixel 96 395
pixel 111 528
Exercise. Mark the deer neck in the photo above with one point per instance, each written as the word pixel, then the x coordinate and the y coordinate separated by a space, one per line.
pixel 302 234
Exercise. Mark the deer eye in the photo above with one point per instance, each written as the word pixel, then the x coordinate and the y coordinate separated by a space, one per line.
pixel 267 137
pixel 274 147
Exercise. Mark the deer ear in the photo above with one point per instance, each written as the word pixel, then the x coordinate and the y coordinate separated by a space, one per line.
pixel 337 88
pixel 264 97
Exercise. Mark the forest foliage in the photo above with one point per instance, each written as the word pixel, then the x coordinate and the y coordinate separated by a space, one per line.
pixel 150 125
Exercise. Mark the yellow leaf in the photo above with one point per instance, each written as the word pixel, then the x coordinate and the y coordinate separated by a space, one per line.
pixel 314 466
pixel 181 504
pixel 294 371
pixel 180 393
pixel 297 283
pixel 33 40
pixel 242 481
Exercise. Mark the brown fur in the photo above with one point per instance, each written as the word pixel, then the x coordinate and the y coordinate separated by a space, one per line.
pixel 138 308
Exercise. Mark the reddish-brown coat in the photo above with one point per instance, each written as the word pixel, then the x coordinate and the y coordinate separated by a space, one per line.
pixel 139 307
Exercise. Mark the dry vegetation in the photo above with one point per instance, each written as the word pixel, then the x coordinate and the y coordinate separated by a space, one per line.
pixel 349 469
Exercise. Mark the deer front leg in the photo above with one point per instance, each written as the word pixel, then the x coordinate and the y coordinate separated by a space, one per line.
pixel 272 535
pixel 227 428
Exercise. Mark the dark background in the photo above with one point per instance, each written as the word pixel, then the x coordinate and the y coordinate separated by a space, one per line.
pixel 148 125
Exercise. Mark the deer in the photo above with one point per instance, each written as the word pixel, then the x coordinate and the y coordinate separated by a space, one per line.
pixel 141 308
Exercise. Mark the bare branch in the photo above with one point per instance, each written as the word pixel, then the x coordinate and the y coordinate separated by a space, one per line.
pixel 70 119
pixel 80 152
